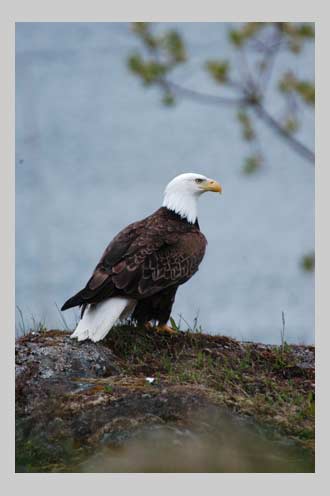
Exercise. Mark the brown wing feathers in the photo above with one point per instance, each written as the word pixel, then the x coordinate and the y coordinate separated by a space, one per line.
pixel 146 257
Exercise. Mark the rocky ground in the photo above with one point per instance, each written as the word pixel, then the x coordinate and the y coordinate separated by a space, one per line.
pixel 75 399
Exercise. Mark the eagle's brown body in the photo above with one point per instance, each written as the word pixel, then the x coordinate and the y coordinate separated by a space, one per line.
pixel 146 261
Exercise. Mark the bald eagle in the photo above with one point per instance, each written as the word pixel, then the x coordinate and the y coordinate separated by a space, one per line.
pixel 143 266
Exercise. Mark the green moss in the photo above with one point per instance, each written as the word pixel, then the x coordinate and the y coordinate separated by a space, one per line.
pixel 36 454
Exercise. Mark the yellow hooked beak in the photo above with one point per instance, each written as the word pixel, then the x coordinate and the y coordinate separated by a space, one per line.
pixel 211 185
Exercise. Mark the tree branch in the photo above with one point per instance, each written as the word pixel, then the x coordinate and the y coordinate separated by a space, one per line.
pixel 201 97
pixel 249 94
pixel 269 59
pixel 302 149
pixel 260 111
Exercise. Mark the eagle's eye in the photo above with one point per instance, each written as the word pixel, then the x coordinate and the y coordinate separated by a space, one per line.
pixel 198 180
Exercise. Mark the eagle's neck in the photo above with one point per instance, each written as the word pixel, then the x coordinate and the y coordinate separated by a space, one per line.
pixel 184 204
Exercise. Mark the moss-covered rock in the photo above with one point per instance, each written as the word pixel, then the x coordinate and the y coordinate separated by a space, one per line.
pixel 75 400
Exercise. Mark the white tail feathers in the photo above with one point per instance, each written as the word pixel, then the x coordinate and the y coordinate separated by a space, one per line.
pixel 99 319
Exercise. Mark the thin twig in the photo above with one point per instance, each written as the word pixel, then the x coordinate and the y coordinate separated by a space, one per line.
pixel 270 57
pixel 245 70
pixel 203 97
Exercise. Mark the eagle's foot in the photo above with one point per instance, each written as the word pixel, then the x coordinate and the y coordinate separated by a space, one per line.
pixel 165 328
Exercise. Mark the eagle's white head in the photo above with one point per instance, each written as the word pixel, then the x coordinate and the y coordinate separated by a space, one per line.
pixel 181 194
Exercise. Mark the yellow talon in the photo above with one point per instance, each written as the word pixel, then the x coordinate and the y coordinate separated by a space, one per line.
pixel 162 328
pixel 166 328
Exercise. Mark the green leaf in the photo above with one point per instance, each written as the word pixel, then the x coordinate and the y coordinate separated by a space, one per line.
pixel 153 71
pixel 287 83
pixel 142 30
pixel 218 70
pixel 306 90
pixel 135 63
pixel 291 125
pixel 297 34
pixel 249 29
pixel 236 38
pixel 175 46
pixel 150 72
pixel 168 99
pixel 245 121
pixel 252 164
pixel 306 30
pixel 308 262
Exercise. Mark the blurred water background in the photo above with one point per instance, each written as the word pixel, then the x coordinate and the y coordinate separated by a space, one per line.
pixel 94 151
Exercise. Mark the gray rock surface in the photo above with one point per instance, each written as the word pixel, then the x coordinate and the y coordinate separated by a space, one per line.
pixel 89 406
